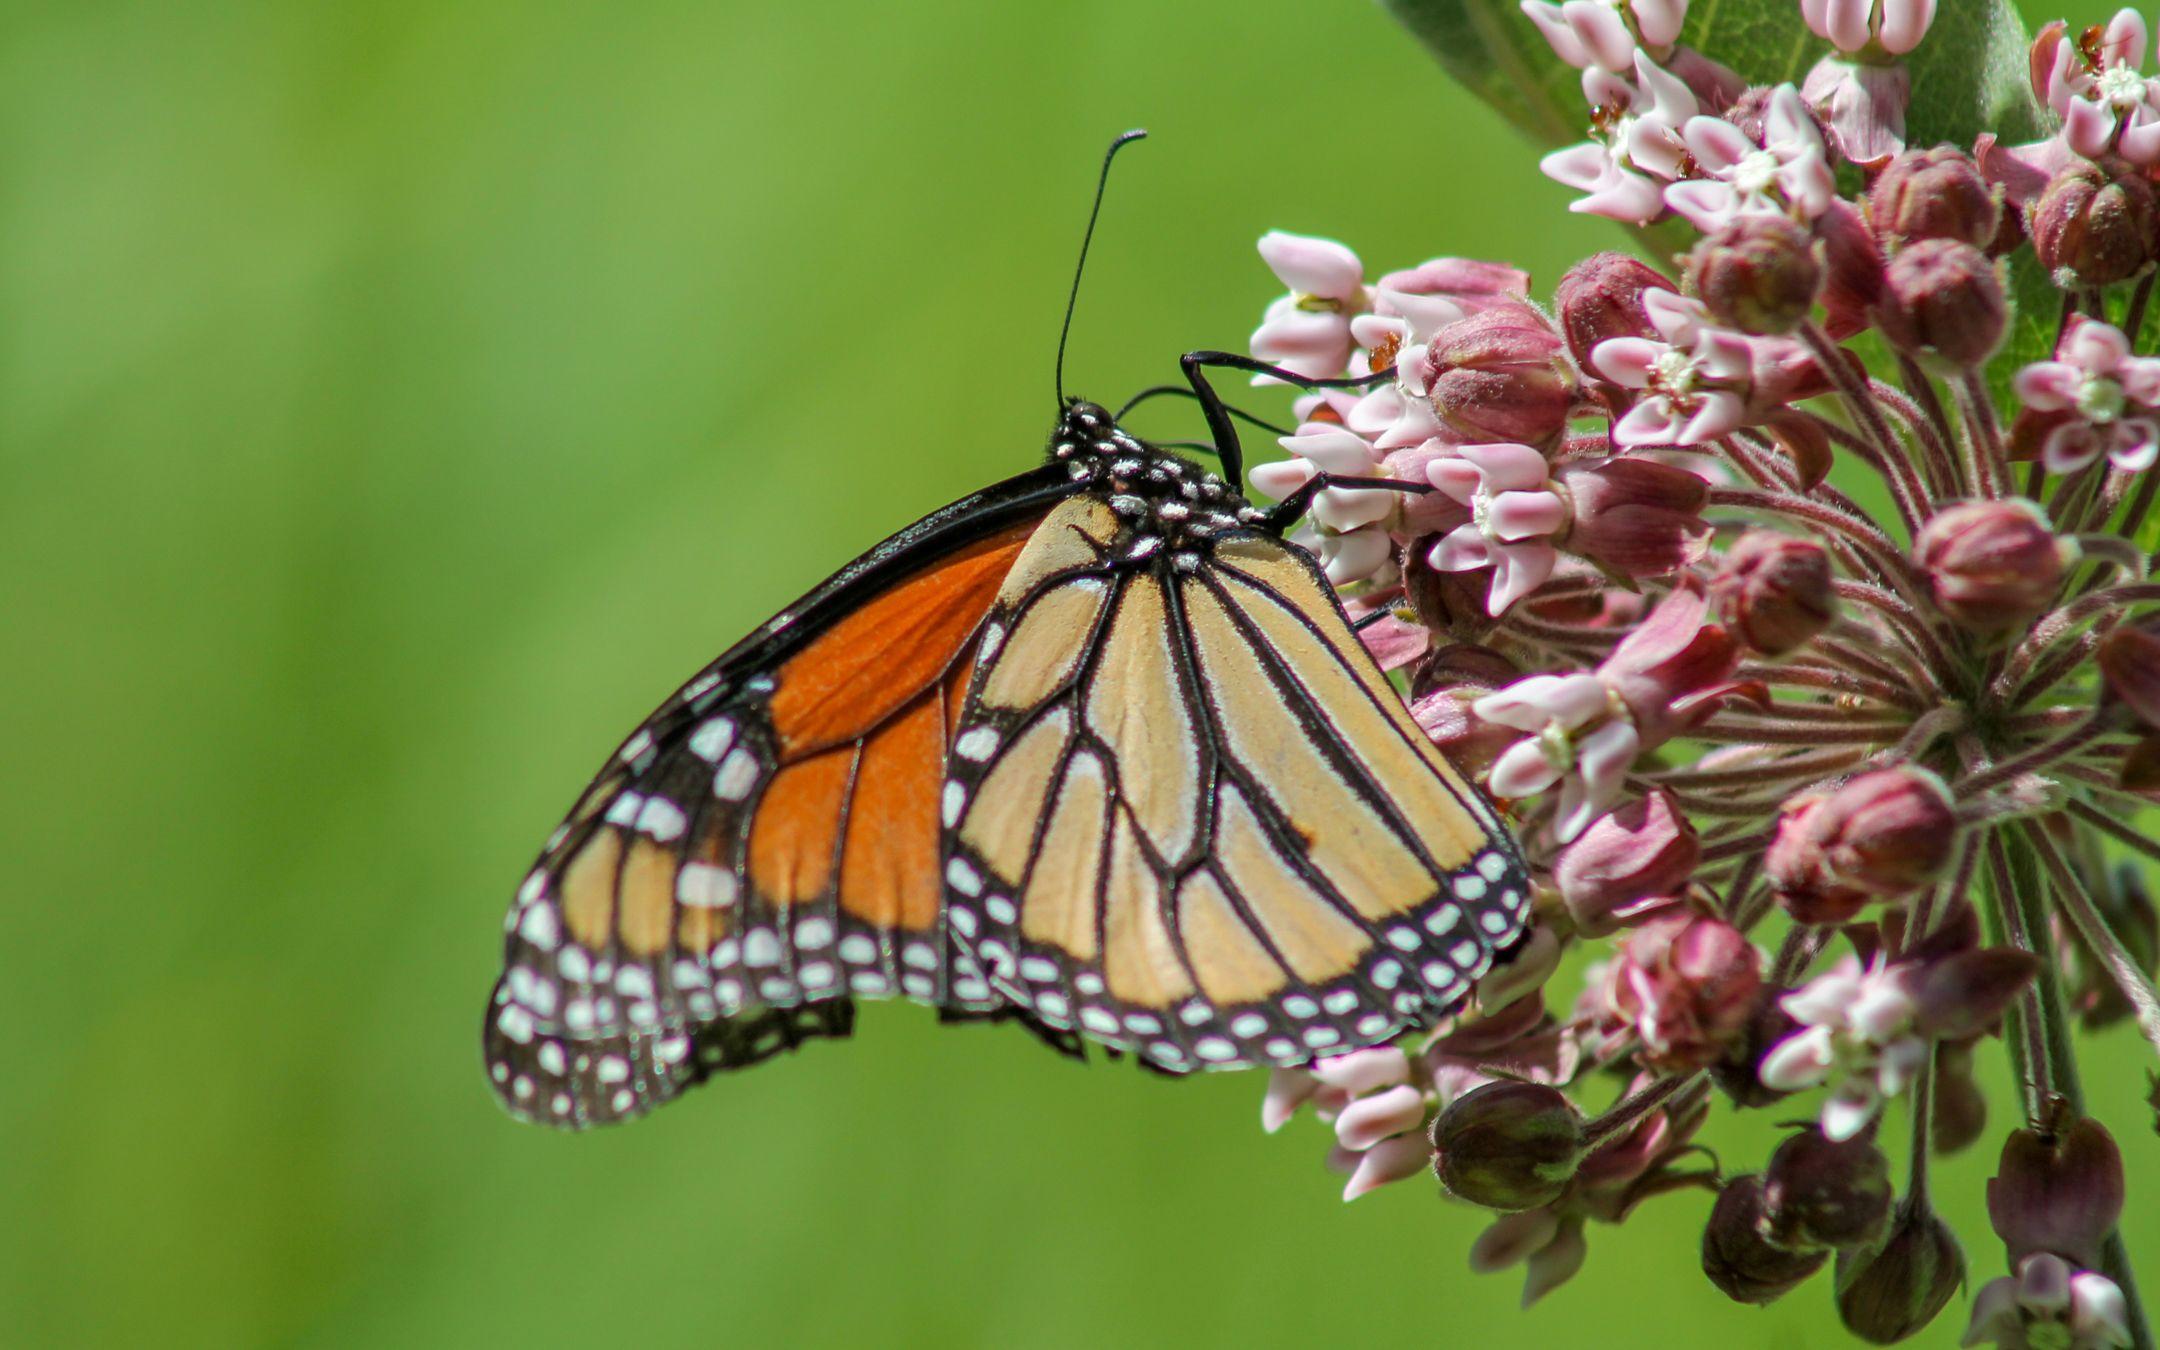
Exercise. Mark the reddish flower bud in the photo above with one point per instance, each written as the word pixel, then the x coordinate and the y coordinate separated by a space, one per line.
pixel 1852 270
pixel 1758 273
pixel 1635 517
pixel 1934 194
pixel 1508 1145
pixel 2091 230
pixel 1444 686
pixel 1992 565
pixel 2060 1192
pixel 1686 985
pixel 2130 664
pixel 1628 863
pixel 1501 376
pixel 1775 592
pixel 1883 835
pixel 1943 300
pixel 1964 995
pixel 1960 1105
pixel 1453 604
pixel 1818 1192
pixel 1746 1266
pixel 1889 1292
pixel 1601 297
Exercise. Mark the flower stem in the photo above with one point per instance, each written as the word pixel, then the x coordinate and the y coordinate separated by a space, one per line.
pixel 2017 886
pixel 2083 910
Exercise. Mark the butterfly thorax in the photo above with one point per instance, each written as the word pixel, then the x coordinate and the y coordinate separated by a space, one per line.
pixel 1167 504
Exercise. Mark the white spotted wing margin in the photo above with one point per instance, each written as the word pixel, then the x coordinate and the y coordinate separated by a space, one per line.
pixel 639 958
pixel 1188 818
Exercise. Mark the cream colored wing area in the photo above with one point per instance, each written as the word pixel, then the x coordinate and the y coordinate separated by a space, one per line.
pixel 1138 705
pixel 1286 582
pixel 1187 818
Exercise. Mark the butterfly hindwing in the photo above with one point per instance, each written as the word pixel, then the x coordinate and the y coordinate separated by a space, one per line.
pixel 1187 815
pixel 765 846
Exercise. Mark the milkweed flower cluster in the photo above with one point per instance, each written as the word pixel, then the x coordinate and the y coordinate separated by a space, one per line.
pixel 1832 797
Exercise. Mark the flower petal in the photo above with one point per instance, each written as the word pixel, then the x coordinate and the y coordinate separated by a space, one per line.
pixel 1313 265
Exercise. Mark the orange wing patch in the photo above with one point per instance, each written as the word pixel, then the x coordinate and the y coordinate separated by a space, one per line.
pixel 795 836
pixel 874 662
pixel 889 868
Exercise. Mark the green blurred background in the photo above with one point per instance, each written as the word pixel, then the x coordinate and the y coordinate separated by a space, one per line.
pixel 396 400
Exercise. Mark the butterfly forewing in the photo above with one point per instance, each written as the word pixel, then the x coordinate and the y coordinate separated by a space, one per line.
pixel 1188 816
pixel 764 846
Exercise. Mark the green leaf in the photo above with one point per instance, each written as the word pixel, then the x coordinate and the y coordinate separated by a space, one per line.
pixel 1968 76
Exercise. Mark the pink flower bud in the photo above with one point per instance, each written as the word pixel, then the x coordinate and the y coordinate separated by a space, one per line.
pixel 2130 664
pixel 1944 300
pixel 1967 993
pixel 1992 565
pixel 1508 1145
pixel 2092 230
pixel 1500 375
pixel 1818 1192
pixel 1451 679
pixel 1601 297
pixel 1636 517
pixel 1889 1292
pixel 1934 194
pixel 1775 592
pixel 1883 835
pixel 1628 863
pixel 1746 1266
pixel 1686 984
pixel 2060 1192
pixel 1758 273
pixel 1852 270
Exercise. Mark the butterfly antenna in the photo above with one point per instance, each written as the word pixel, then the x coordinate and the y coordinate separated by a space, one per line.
pixel 1101 182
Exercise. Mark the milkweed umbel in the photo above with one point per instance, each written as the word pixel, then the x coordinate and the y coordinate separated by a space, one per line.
pixel 1095 749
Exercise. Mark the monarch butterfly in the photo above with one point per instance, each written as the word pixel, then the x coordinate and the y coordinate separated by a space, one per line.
pixel 1094 749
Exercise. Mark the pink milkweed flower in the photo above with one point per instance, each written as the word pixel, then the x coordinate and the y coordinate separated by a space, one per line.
pixel 1580 740
pixel 1788 172
pixel 1894 27
pixel 1603 33
pixel 1866 1031
pixel 2112 394
pixel 1860 95
pixel 1515 512
pixel 1693 382
pixel 1637 145
pixel 2048 1303
pixel 2106 101
pixel 1307 331
pixel 1671 672
pixel 1325 447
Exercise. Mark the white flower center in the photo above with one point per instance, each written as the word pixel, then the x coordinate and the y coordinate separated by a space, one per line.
pixel 1557 746
pixel 1756 173
pixel 2120 85
pixel 1673 372
pixel 2100 399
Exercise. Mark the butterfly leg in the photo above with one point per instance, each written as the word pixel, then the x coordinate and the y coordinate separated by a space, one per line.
pixel 1220 428
pixel 1285 513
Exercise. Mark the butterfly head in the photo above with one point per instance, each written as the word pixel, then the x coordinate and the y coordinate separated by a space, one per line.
pixel 1160 493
